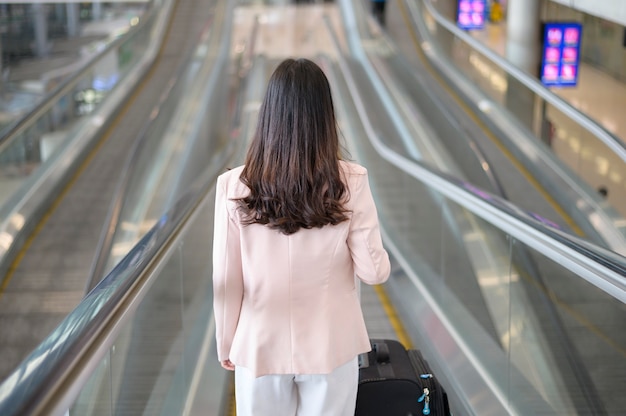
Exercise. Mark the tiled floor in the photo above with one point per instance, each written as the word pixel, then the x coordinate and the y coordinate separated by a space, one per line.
pixel 285 31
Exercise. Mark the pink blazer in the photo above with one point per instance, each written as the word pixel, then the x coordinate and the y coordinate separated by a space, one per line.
pixel 289 304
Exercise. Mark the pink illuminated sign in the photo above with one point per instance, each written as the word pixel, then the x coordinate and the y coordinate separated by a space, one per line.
pixel 561 53
pixel 471 14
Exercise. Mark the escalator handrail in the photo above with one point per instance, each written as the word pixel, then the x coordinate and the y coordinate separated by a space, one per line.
pixel 23 123
pixel 601 267
pixel 611 141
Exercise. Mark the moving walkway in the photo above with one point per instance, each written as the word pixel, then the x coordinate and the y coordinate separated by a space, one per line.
pixel 506 307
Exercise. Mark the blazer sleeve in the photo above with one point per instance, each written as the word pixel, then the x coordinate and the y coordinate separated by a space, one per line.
pixel 227 273
pixel 371 261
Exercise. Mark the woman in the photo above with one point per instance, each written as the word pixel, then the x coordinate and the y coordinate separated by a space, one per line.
pixel 293 227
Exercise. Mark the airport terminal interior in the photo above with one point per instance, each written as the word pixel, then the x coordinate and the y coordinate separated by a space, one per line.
pixel 493 133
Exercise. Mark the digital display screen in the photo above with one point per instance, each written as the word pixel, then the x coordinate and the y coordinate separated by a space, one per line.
pixel 561 54
pixel 471 14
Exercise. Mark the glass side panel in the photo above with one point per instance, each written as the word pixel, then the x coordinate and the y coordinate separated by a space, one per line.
pixel 580 332
pixel 164 359
pixel 96 398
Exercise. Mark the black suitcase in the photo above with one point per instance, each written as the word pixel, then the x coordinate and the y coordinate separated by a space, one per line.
pixel 394 381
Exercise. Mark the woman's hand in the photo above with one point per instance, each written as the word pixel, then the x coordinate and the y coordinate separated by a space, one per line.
pixel 227 364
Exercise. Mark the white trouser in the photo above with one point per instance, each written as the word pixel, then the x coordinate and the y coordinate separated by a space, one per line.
pixel 331 394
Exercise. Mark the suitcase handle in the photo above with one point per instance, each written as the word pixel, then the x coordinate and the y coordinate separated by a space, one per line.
pixel 381 351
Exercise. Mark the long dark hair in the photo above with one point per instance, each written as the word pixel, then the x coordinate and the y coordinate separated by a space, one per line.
pixel 292 165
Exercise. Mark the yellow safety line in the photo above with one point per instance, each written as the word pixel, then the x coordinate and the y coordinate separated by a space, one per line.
pixel 232 405
pixel 105 136
pixel 472 115
pixel 394 319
